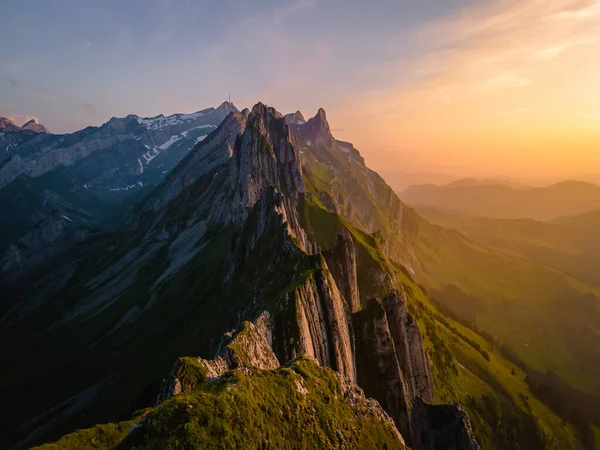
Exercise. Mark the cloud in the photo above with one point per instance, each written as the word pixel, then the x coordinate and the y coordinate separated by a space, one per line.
pixel 498 45
pixel 88 108
pixel 13 81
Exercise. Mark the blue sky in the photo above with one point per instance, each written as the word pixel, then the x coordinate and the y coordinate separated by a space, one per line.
pixel 471 87
pixel 75 62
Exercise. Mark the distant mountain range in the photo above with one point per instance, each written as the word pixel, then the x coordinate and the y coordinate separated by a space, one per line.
pixel 60 187
pixel 7 125
pixel 570 244
pixel 491 198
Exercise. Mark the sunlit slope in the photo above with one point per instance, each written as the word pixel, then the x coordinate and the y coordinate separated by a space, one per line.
pixel 549 319
pixel 499 201
pixel 570 244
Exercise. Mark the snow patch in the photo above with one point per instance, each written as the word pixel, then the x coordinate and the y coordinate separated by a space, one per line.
pixel 65 217
pixel 159 122
pixel 141 166
pixel 170 142
pixel 201 138
pixel 345 149
pixel 308 143
pixel 126 188
pixel 300 122
pixel 150 155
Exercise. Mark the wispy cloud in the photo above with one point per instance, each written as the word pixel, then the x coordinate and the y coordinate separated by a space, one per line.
pixel 468 72
pixel 88 108
pixel 13 81
pixel 485 44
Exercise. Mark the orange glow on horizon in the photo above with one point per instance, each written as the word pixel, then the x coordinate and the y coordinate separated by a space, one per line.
pixel 517 92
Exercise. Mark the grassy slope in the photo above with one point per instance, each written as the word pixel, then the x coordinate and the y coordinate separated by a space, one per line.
pixel 548 318
pixel 561 199
pixel 571 245
pixel 491 394
pixel 257 409
pixel 487 389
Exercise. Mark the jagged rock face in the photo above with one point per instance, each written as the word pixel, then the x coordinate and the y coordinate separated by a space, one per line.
pixel 341 260
pixel 387 339
pixel 379 371
pixel 315 132
pixel 441 427
pixel 266 156
pixel 295 118
pixel 322 328
pixel 410 351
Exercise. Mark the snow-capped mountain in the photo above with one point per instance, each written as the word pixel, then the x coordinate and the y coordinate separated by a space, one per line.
pixel 58 186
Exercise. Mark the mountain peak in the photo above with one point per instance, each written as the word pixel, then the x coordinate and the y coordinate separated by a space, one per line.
pixel 226 107
pixel 35 125
pixel 7 125
pixel 265 156
pixel 295 118
pixel 316 130
pixel 32 125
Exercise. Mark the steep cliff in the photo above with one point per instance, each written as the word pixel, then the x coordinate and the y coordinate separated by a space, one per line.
pixel 441 427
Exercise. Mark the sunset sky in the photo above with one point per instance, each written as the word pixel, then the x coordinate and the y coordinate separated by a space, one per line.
pixel 484 88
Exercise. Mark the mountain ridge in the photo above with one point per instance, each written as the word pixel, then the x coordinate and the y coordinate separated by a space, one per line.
pixel 257 225
pixel 256 197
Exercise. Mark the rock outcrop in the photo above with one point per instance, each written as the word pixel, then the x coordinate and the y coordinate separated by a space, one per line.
pixel 438 427
pixel 321 323
pixel 249 348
